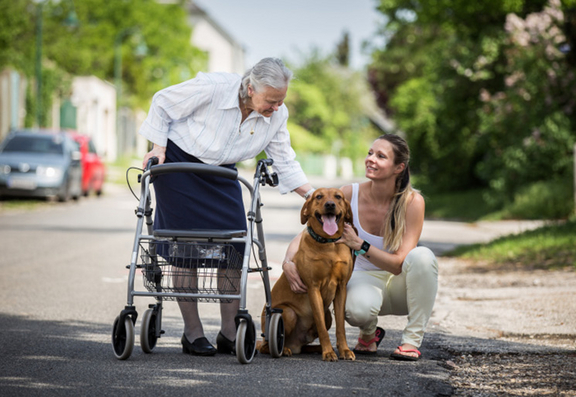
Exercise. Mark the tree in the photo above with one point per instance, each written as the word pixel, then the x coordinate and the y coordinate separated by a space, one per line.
pixel 442 60
pixel 163 28
pixel 343 50
pixel 88 48
pixel 327 100
pixel 529 123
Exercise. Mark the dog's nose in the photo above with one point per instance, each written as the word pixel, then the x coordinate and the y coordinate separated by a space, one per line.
pixel 330 205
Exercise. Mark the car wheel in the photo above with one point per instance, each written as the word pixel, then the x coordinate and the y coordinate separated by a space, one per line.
pixel 64 194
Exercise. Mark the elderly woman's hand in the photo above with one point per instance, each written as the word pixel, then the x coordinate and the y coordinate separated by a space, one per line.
pixel 157 151
pixel 291 272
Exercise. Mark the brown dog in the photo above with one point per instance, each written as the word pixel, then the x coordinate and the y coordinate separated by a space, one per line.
pixel 325 267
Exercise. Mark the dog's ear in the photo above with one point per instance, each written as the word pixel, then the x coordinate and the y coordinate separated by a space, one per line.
pixel 305 211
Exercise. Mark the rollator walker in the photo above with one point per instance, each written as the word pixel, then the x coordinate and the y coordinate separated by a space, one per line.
pixel 198 265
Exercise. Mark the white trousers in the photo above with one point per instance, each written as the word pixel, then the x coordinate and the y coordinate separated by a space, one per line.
pixel 378 293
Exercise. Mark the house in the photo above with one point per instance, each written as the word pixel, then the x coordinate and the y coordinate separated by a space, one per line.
pixel 92 109
pixel 224 53
pixel 12 99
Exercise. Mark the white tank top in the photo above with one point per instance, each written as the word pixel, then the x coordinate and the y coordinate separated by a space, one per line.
pixel 362 264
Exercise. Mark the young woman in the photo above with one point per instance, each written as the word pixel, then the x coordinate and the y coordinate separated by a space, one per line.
pixel 392 276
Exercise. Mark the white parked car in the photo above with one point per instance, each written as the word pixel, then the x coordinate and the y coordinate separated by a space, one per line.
pixel 40 163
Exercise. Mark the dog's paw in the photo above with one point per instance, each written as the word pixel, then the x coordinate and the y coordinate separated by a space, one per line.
pixel 264 348
pixel 330 356
pixel 347 355
pixel 287 352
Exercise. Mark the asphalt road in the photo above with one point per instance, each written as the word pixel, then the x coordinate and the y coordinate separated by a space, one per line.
pixel 64 280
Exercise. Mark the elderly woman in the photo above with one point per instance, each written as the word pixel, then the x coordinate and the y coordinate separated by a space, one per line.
pixel 218 119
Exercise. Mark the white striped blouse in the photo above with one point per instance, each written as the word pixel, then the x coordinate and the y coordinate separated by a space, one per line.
pixel 202 117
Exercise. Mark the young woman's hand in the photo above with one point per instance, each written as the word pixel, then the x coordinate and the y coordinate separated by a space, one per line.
pixel 350 238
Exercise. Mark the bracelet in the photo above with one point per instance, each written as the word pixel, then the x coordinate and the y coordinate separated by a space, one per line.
pixel 309 193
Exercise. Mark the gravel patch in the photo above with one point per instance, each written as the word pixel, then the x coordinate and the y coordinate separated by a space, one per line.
pixel 509 331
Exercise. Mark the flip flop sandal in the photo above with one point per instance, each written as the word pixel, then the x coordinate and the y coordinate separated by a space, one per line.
pixel 404 357
pixel 380 333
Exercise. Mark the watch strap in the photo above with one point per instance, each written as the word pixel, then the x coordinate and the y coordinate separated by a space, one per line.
pixel 363 249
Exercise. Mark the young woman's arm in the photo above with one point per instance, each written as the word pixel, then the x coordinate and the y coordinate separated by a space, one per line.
pixel 392 262
pixel 289 267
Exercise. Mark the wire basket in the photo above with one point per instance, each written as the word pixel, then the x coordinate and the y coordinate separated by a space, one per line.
pixel 189 267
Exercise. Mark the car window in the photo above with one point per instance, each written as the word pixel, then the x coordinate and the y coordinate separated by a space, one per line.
pixel 91 147
pixel 35 144
pixel 75 145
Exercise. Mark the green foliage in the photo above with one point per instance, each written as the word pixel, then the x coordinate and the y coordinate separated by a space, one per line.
pixel 546 153
pixel 548 247
pixel 328 103
pixel 466 206
pixel 87 47
pixel 17 35
pixel 304 141
pixel 467 17
pixel 529 124
pixel 552 199
pixel 55 81
pixel 484 95
pixel 103 25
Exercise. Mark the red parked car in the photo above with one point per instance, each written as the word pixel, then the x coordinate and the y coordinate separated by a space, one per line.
pixel 93 169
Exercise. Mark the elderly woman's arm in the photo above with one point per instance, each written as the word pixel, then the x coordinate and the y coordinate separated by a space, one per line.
pixel 304 190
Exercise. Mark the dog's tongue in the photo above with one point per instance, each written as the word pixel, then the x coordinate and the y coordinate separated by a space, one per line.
pixel 330 226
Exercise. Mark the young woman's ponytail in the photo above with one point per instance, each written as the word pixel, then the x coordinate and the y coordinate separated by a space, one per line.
pixel 395 222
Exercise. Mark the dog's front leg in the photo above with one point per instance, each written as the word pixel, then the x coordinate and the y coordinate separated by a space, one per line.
pixel 339 308
pixel 317 305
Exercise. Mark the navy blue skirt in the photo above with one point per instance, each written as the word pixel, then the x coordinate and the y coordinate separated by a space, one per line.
pixel 186 201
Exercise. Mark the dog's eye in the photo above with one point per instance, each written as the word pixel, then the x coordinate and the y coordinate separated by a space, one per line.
pixel 338 197
pixel 319 196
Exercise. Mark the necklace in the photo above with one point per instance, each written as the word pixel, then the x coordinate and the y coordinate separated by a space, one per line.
pixel 253 126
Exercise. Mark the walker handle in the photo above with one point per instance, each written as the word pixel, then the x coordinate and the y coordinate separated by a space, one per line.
pixel 196 168
pixel 151 161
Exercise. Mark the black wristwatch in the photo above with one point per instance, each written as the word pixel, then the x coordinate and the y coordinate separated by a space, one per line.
pixel 363 249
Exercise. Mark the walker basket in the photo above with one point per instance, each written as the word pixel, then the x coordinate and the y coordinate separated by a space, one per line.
pixel 187 267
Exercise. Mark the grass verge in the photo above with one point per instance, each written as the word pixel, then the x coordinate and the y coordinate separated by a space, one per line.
pixel 466 206
pixel 548 247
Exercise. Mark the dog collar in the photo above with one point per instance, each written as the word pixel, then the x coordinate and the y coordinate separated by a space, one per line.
pixel 321 239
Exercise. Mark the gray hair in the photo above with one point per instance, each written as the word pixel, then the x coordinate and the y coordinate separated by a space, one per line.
pixel 269 72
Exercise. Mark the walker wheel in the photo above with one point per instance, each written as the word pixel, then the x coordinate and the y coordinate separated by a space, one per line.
pixel 245 341
pixel 123 338
pixel 148 336
pixel 276 335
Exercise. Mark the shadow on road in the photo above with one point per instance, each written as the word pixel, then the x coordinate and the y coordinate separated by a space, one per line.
pixel 75 358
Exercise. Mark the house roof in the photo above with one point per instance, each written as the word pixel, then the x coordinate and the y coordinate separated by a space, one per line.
pixel 196 13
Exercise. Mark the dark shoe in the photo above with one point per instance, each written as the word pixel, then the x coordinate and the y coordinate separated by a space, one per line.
pixel 224 345
pixel 200 347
